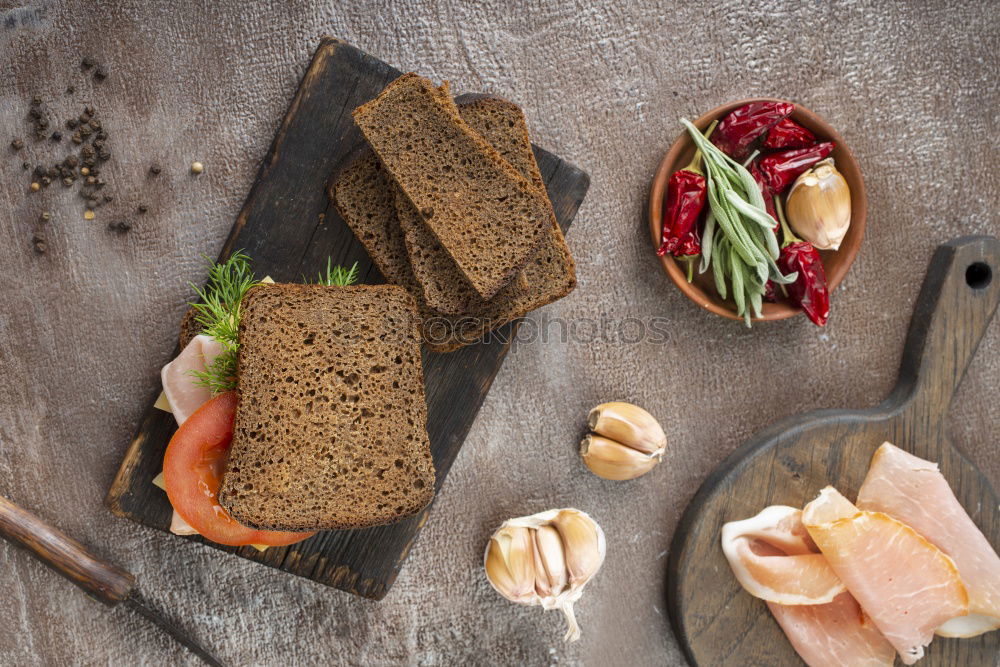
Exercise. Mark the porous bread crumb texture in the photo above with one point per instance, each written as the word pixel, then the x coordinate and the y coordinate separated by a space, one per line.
pixel 330 429
pixel 484 213
pixel 189 327
pixel 502 124
pixel 363 195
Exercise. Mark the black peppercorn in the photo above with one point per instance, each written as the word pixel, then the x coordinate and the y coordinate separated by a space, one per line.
pixel 46 181
pixel 57 136
pixel 71 123
pixel 25 166
pixel 38 243
pixel 155 168
pixel 17 144
pixel 67 181
pixel 71 161
pixel 101 73
pixel 143 208
pixel 36 101
pixel 70 90
pixel 87 63
pixel 77 139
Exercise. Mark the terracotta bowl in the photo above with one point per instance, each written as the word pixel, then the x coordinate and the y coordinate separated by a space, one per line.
pixel 835 262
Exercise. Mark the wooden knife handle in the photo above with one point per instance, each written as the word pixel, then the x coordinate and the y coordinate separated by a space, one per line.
pixel 103 581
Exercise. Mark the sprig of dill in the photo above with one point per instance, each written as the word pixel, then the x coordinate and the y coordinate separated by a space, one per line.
pixel 335 276
pixel 218 311
pixel 218 314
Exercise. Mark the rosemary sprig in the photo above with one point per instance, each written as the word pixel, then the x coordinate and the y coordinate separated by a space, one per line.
pixel 218 314
pixel 738 242
pixel 336 276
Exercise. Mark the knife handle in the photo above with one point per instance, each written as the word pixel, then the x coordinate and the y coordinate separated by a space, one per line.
pixel 103 581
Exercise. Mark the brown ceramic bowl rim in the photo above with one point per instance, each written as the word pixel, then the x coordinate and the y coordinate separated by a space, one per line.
pixel 847 251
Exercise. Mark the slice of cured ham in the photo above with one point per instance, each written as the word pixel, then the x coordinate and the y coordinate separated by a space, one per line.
pixel 179 385
pixel 185 396
pixel 773 557
pixel 914 491
pixel 906 585
pixel 834 634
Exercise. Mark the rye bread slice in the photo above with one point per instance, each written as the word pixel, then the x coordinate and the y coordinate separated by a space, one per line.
pixel 488 217
pixel 445 289
pixel 363 197
pixel 330 430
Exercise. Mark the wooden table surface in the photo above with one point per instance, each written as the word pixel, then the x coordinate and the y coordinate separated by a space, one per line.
pixel 84 328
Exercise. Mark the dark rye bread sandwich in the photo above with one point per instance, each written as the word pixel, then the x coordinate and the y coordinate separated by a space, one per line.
pixel 363 194
pixel 486 215
pixel 502 124
pixel 330 429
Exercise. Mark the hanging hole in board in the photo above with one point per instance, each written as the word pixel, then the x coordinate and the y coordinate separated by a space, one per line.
pixel 978 275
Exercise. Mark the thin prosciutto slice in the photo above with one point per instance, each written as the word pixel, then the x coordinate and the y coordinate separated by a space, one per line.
pixel 914 491
pixel 185 396
pixel 906 585
pixel 180 386
pixel 836 634
pixel 773 557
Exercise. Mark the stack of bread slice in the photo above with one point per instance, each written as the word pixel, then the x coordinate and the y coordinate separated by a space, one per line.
pixel 450 205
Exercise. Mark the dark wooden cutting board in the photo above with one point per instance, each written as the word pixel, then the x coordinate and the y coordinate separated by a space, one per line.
pixel 288 228
pixel 715 621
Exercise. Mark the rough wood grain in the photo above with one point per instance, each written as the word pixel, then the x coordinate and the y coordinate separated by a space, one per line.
pixel 716 622
pixel 912 87
pixel 289 229
pixel 105 582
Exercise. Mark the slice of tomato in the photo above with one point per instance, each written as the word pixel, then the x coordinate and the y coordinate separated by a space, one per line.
pixel 192 473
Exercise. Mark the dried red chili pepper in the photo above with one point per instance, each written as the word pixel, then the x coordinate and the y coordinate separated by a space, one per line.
pixel 743 126
pixel 765 192
pixel 809 291
pixel 788 134
pixel 686 194
pixel 781 169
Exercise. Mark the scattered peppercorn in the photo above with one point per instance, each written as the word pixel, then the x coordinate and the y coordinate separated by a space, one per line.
pixel 155 169
pixel 71 123
pixel 45 216
pixel 87 63
pixel 36 101
pixel 108 198
pixel 77 139
pixel 17 144
pixel 121 226
pixel 67 181
pixel 46 181
pixel 197 167
pixel 57 136
pixel 85 171
pixel 71 161
pixel 91 180
pixel 25 166
pixel 143 208
pixel 36 186
pixel 101 73
pixel 88 215
pixel 70 90
pixel 38 243
pixel 104 155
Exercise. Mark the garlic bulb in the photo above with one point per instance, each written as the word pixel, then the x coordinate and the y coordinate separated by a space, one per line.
pixel 627 444
pixel 546 559
pixel 819 206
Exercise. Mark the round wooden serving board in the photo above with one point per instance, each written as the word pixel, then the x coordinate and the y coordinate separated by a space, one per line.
pixel 715 621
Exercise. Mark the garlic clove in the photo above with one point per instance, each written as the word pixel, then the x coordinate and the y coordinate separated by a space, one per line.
pixel 550 562
pixel 613 460
pixel 818 207
pixel 628 424
pixel 583 542
pixel 509 563
pixel 546 559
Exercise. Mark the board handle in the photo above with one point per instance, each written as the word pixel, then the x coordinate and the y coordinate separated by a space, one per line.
pixel 956 303
pixel 108 583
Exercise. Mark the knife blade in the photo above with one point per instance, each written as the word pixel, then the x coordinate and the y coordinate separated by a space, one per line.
pixel 101 580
